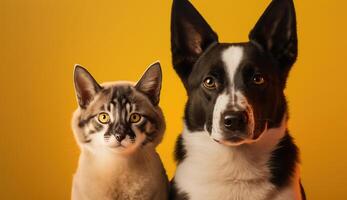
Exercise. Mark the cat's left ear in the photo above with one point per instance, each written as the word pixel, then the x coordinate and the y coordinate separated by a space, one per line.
pixel 150 83
pixel 86 86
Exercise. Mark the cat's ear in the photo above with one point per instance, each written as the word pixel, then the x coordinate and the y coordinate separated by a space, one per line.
pixel 276 33
pixel 150 83
pixel 191 35
pixel 86 86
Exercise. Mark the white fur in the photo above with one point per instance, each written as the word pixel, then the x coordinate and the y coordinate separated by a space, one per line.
pixel 212 171
pixel 106 176
pixel 220 106
pixel 232 58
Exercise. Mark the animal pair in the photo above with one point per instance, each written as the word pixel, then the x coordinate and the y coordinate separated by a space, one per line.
pixel 235 144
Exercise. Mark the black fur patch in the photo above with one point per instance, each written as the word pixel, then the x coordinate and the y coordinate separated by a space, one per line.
pixel 176 195
pixel 180 151
pixel 183 31
pixel 283 161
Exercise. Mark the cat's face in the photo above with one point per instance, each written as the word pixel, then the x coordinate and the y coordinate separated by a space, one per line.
pixel 119 116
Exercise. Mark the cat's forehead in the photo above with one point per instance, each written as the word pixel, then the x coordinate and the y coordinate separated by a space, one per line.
pixel 113 84
pixel 112 92
pixel 117 89
pixel 122 92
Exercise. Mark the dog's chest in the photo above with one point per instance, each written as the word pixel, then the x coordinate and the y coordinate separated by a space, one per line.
pixel 211 171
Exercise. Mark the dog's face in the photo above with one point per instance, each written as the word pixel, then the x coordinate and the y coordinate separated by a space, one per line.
pixel 235 90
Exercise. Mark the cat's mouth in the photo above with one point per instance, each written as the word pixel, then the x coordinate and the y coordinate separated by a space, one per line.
pixel 127 143
pixel 116 140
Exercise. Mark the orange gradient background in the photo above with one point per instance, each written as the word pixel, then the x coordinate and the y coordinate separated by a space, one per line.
pixel 41 40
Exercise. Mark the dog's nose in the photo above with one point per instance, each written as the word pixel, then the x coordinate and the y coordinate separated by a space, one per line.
pixel 235 121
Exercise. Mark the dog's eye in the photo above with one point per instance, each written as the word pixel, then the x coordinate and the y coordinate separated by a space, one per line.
pixel 258 79
pixel 135 117
pixel 104 118
pixel 210 83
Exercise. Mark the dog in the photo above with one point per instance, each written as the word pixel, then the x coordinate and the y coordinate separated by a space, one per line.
pixel 235 143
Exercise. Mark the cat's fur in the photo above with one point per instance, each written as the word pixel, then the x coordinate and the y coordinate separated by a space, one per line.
pixel 110 169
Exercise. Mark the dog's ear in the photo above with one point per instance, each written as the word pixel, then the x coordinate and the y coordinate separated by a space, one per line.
pixel 190 36
pixel 276 33
pixel 150 83
pixel 86 86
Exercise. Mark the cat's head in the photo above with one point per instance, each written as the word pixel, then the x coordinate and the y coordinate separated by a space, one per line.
pixel 119 116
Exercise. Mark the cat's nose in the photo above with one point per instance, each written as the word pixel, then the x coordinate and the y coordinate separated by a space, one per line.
pixel 119 137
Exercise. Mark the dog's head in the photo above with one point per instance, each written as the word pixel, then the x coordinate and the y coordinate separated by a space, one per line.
pixel 235 90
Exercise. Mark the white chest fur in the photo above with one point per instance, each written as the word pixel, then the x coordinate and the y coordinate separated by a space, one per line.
pixel 108 177
pixel 212 171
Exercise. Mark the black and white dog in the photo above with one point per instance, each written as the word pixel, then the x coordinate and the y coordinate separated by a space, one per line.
pixel 235 144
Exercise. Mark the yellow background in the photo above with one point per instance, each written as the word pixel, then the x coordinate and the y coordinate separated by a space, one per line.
pixel 41 40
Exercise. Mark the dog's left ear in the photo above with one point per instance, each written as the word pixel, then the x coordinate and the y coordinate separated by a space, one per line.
pixel 276 33
pixel 190 37
pixel 150 83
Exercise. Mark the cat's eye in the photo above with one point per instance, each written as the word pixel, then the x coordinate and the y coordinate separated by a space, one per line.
pixel 210 83
pixel 104 118
pixel 135 117
pixel 258 79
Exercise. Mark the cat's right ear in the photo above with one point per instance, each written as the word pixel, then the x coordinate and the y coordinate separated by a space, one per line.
pixel 86 86
pixel 150 83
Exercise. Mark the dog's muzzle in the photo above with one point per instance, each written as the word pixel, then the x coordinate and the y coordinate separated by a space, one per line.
pixel 234 121
pixel 234 127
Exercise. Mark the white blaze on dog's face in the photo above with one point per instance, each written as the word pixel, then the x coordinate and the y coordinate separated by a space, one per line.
pixel 119 116
pixel 235 90
pixel 232 111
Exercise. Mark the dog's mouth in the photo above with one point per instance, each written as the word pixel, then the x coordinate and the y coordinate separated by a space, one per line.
pixel 238 140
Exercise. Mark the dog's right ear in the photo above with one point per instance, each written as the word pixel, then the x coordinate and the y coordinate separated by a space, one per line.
pixel 276 33
pixel 190 36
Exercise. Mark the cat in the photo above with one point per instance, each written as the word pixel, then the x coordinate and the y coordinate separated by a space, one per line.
pixel 117 127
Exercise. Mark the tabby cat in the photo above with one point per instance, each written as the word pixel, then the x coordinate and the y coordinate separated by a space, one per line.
pixel 117 127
